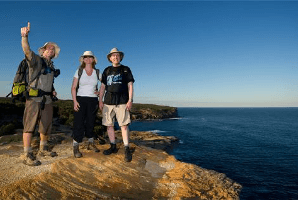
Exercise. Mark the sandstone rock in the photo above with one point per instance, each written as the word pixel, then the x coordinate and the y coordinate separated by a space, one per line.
pixel 152 174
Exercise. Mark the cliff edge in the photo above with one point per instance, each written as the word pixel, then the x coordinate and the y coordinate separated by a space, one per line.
pixel 152 174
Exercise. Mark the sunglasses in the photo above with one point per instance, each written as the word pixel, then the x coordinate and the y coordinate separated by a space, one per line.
pixel 88 57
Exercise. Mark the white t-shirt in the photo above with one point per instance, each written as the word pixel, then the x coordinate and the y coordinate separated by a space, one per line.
pixel 87 84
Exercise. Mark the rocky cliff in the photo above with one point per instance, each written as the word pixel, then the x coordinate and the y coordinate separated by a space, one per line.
pixel 152 112
pixel 152 174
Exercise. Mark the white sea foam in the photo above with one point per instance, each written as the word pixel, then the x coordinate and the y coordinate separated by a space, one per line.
pixel 157 131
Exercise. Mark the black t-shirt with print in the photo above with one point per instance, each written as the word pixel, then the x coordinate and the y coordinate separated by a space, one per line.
pixel 116 80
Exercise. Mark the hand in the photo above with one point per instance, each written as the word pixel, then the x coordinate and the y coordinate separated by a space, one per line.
pixel 97 93
pixel 101 105
pixel 129 105
pixel 76 106
pixel 54 93
pixel 25 30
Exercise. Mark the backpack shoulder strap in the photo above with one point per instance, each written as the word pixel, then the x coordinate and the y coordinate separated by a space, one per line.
pixel 80 72
pixel 21 71
pixel 97 73
pixel 44 65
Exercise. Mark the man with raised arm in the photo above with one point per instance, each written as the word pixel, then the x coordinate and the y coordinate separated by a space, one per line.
pixel 40 91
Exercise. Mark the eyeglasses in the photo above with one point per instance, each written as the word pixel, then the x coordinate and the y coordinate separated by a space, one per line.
pixel 88 56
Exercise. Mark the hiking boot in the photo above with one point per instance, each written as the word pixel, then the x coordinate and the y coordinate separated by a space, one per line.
pixel 45 151
pixel 112 149
pixel 101 141
pixel 30 160
pixel 128 156
pixel 91 146
pixel 76 152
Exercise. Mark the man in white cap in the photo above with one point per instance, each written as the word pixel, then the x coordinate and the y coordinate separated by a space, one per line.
pixel 117 89
pixel 40 90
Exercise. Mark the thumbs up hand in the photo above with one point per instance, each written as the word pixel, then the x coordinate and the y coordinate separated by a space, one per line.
pixel 25 30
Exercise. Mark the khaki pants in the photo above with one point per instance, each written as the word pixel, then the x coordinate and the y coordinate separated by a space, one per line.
pixel 33 115
pixel 110 111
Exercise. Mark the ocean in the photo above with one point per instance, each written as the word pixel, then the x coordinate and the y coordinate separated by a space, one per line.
pixel 256 147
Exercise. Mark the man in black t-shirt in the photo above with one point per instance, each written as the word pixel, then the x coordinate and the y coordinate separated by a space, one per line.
pixel 117 89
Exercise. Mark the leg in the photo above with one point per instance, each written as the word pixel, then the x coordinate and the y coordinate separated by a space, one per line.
pixel 91 111
pixel 44 149
pixel 76 151
pixel 108 115
pixel 125 135
pixel 123 117
pixel 78 127
pixel 31 116
pixel 27 142
pixel 78 122
pixel 45 129
pixel 111 134
pixel 113 148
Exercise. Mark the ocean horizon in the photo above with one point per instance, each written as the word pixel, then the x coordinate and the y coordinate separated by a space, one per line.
pixel 256 147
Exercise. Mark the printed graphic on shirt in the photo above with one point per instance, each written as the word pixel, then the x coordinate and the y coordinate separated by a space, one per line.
pixel 114 79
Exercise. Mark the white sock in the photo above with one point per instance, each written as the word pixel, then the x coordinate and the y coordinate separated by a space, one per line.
pixel 27 149
pixel 75 143
pixel 43 143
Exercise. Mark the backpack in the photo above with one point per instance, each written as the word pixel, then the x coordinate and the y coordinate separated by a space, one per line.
pixel 80 72
pixel 21 81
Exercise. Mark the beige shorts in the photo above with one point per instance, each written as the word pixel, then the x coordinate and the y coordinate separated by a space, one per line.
pixel 33 115
pixel 110 111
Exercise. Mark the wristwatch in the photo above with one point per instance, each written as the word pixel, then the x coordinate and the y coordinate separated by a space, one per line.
pixel 130 100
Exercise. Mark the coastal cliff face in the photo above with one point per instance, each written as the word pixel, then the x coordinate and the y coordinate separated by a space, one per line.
pixel 152 174
pixel 152 112
pixel 11 114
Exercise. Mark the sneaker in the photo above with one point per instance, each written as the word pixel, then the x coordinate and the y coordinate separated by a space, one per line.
pixel 112 149
pixel 91 146
pixel 30 160
pixel 45 151
pixel 128 155
pixel 76 152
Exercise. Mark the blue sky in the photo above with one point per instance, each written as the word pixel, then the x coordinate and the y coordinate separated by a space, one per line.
pixel 182 53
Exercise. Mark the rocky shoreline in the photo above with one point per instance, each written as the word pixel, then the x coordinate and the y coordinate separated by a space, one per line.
pixel 152 174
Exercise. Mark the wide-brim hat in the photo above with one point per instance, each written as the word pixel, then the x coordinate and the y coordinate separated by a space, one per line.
pixel 43 48
pixel 87 53
pixel 115 50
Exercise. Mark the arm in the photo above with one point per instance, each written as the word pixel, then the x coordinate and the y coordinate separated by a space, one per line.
pixel 25 44
pixel 76 104
pixel 101 93
pixel 54 91
pixel 130 94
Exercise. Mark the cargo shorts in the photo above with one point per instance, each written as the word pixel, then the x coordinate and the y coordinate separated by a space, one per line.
pixel 110 111
pixel 33 115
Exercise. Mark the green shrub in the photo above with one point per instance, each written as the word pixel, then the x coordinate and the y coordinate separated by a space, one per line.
pixel 7 129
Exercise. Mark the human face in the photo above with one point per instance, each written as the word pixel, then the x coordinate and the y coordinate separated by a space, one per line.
pixel 88 59
pixel 49 52
pixel 115 58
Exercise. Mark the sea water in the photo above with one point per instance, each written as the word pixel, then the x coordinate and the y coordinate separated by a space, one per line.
pixel 256 147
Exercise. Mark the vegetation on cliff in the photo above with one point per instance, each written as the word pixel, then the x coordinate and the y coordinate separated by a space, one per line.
pixel 12 113
pixel 152 174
